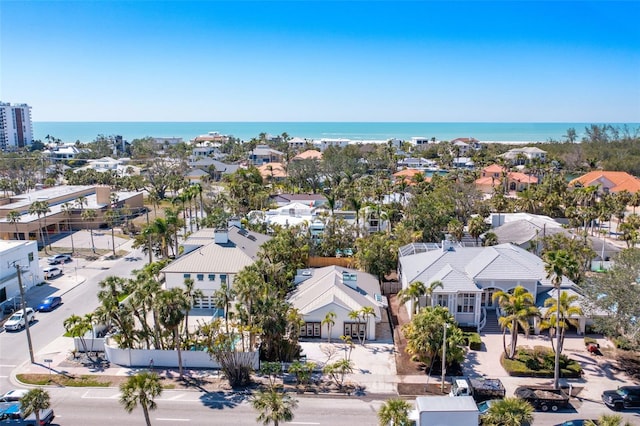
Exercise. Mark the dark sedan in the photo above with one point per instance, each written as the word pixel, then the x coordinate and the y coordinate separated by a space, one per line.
pixel 49 304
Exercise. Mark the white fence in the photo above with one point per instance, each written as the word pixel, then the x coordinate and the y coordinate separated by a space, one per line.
pixel 160 358
pixel 93 345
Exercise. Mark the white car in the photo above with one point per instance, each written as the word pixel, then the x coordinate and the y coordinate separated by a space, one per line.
pixel 51 272
pixel 13 395
pixel 16 322
pixel 58 258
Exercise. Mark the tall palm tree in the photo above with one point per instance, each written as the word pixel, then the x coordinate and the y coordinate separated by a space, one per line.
pixel 510 411
pixel 329 320
pixel 273 407
pixel 111 217
pixel 89 216
pixel 412 294
pixel 394 412
pixel 172 305
pixel 191 294
pixel 476 227
pixel 518 308
pixel 141 389
pixel 35 400
pixel 172 217
pixel 14 217
pixel 559 316
pixel 559 264
pixel 40 208
pixel 67 209
pixel 366 312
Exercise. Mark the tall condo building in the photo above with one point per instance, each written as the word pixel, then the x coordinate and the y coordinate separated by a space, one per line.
pixel 15 126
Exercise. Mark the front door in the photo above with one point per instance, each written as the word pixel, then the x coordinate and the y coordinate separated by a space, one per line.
pixel 487 298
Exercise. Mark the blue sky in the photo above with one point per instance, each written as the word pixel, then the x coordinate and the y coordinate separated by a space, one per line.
pixel 501 61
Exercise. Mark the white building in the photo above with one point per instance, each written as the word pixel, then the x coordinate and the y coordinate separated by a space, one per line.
pixel 15 126
pixel 25 254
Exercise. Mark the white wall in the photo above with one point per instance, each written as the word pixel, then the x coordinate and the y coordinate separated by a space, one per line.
pixel 17 252
pixel 142 358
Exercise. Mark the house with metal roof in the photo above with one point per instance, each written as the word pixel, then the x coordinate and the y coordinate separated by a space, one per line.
pixel 341 291
pixel 213 257
pixel 470 276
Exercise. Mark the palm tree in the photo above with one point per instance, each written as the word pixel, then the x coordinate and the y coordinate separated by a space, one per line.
pixel 518 308
pixel 559 264
pixel 273 407
pixel 608 420
pixel 89 216
pixel 329 321
pixel 559 316
pixel 394 412
pixel 412 294
pixel 191 294
pixel 67 209
pixel 510 411
pixel 40 208
pixel 35 400
pixel 366 312
pixel 110 217
pixel 476 227
pixel 141 389
pixel 14 217
pixel 172 305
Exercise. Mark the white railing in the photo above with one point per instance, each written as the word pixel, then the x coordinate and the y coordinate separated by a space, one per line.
pixel 483 319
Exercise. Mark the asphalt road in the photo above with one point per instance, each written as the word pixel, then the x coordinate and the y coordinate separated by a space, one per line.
pixel 87 407
pixel 49 325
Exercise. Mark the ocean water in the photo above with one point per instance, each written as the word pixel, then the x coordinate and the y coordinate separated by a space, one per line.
pixel 357 131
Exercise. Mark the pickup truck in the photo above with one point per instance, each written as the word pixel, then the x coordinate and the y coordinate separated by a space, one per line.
pixel 479 388
pixel 543 398
pixel 10 414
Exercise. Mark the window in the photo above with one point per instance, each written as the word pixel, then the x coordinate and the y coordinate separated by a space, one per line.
pixel 223 278
pixel 31 257
pixel 186 276
pixel 355 329
pixel 466 302
pixel 200 277
pixel 442 300
pixel 311 329
pixel 212 277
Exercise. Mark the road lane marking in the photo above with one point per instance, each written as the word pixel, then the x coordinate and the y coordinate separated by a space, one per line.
pixel 161 419
pixel 7 365
pixel 303 423
pixel 86 396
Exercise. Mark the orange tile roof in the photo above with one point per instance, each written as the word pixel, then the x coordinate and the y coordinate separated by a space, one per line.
pixel 408 174
pixel 494 168
pixel 275 170
pixel 621 180
pixel 309 154
pixel 521 177
pixel 487 180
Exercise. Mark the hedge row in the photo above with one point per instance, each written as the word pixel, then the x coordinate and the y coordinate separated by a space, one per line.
pixel 473 340
pixel 539 362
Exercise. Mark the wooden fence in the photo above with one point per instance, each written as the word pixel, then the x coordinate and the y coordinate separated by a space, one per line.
pixel 319 262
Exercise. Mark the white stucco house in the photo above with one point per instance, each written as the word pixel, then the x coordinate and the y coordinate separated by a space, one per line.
pixel 470 276
pixel 24 254
pixel 213 257
pixel 341 291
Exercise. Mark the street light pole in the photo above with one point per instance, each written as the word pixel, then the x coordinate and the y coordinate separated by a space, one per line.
pixel 24 312
pixel 444 354
pixel 149 238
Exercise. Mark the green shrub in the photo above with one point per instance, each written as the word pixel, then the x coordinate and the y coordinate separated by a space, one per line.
pixel 623 343
pixel 474 341
pixel 539 362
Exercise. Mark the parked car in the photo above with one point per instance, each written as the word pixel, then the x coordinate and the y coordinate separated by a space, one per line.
pixel 13 395
pixel 58 258
pixel 623 397
pixel 16 322
pixel 51 272
pixel 11 305
pixel 49 304
pixel 578 422
pixel 10 414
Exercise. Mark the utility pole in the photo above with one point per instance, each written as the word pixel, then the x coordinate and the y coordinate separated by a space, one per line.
pixel 149 238
pixel 444 354
pixel 24 311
